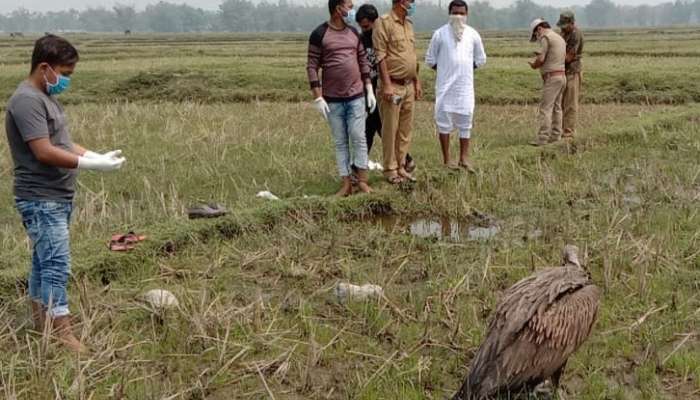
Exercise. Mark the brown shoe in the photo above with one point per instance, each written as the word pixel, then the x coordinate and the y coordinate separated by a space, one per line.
pixel 362 181
pixel 346 189
pixel 63 331
pixel 38 315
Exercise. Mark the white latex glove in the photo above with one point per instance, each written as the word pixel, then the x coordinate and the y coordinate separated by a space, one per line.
pixel 91 154
pixel 371 100
pixel 111 154
pixel 321 106
pixel 101 163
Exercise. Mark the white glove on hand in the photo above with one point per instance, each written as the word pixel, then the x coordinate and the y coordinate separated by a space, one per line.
pixel 371 100
pixel 321 106
pixel 100 163
pixel 111 154
pixel 91 154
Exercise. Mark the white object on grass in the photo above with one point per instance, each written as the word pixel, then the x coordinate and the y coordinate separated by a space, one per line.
pixel 348 291
pixel 374 166
pixel 160 298
pixel 267 195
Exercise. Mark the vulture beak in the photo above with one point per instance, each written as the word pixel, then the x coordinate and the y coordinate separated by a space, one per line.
pixel 570 255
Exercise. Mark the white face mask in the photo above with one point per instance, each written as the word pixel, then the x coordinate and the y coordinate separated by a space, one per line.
pixel 458 23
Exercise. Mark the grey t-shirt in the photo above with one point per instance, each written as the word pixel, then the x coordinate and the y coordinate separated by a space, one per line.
pixel 32 114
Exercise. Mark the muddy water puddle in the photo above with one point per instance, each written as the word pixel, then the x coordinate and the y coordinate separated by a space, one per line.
pixel 442 228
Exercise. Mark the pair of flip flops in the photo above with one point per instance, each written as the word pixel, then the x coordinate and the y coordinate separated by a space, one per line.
pixel 125 242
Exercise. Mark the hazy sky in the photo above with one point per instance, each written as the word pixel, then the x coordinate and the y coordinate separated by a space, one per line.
pixel 45 5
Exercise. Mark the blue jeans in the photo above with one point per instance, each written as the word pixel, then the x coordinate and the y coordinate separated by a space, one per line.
pixel 347 121
pixel 47 223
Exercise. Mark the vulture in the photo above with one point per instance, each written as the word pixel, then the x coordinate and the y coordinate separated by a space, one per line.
pixel 540 322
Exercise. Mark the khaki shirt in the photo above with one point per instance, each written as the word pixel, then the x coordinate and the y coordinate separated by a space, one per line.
pixel 574 45
pixel 395 43
pixel 554 52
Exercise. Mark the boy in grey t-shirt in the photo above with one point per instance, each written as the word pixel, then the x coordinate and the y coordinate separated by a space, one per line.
pixel 46 160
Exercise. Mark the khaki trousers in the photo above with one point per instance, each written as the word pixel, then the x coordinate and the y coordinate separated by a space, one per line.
pixel 550 113
pixel 397 127
pixel 570 102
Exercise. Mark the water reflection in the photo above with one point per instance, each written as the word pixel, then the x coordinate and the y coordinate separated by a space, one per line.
pixel 442 228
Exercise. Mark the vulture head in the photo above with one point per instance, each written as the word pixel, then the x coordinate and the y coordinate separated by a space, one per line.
pixel 570 257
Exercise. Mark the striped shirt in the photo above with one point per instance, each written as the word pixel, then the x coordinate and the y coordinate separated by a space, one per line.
pixel 342 58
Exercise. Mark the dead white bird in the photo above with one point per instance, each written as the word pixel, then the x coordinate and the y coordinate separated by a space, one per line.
pixel 540 322
pixel 267 195
pixel 160 299
pixel 348 291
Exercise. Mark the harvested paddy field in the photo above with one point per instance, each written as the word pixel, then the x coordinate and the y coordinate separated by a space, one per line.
pixel 218 118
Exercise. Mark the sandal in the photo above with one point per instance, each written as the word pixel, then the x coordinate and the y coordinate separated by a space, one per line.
pixel 406 176
pixel 468 167
pixel 211 210
pixel 394 179
pixel 125 242
pixel 129 237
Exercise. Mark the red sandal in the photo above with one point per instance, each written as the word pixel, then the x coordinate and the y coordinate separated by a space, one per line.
pixel 125 242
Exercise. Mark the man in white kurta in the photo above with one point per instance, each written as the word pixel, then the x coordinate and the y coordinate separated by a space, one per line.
pixel 455 51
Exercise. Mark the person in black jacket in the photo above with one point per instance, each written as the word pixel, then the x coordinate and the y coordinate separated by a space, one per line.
pixel 365 17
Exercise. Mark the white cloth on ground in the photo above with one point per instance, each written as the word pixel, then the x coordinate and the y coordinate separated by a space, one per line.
pixel 447 122
pixel 455 61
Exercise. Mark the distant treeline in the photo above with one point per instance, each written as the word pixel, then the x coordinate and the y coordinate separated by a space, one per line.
pixel 245 16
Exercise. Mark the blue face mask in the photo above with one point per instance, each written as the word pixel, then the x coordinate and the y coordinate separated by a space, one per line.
pixel 411 10
pixel 349 17
pixel 61 85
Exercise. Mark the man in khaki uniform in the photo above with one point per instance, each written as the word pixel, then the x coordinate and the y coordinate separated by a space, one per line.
pixel 574 50
pixel 550 62
pixel 395 49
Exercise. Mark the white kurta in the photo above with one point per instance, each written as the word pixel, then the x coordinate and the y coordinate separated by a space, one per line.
pixel 454 87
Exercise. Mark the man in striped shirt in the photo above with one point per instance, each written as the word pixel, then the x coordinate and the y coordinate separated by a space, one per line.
pixel 340 94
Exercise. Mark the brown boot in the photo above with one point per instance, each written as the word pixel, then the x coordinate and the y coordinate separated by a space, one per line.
pixel 63 331
pixel 362 179
pixel 38 315
pixel 346 189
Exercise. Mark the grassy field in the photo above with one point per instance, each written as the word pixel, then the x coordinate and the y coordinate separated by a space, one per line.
pixel 221 117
